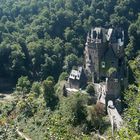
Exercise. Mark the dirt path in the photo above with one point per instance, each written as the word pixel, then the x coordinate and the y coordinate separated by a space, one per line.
pixel 101 137
pixel 4 97
pixel 22 135
pixel 8 97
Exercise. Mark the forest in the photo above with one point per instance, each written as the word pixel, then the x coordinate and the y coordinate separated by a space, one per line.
pixel 40 42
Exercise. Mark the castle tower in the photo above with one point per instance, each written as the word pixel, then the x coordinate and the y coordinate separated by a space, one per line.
pixel 94 49
pixel 104 51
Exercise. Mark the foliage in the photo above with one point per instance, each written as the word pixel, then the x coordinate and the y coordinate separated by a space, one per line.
pixel 111 71
pixel 37 36
pixel 74 109
pixel 36 88
pixel 49 93
pixel 70 61
pixel 63 76
pixel 23 85
pixel 132 114
pixel 90 89
pixel 44 38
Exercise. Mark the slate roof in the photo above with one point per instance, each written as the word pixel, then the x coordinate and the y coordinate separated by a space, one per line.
pixel 76 74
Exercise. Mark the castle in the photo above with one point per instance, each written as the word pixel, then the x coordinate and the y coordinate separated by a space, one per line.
pixel 104 63
pixel 104 67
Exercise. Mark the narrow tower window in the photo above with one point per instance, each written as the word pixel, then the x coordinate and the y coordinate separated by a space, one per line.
pixel 103 64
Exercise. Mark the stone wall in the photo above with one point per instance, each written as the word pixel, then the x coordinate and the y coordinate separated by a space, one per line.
pixel 113 88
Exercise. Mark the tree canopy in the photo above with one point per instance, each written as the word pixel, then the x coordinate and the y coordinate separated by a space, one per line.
pixel 40 42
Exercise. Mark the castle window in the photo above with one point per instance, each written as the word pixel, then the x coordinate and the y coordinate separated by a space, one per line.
pixel 94 34
pixel 112 63
pixel 103 64
pixel 120 63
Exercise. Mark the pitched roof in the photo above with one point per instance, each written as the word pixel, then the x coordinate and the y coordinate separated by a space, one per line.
pixel 109 52
pixel 109 34
pixel 76 74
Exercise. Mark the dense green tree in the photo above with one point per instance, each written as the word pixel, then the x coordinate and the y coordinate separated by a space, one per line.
pixel 49 93
pixel 70 61
pixel 35 25
pixel 23 85
pixel 63 76
pixel 74 110
pixel 36 88
pixel 44 38
pixel 90 89
pixel 4 58
pixel 69 34
pixel 17 59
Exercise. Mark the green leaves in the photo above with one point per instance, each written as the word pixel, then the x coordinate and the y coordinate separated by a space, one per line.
pixel 23 85
pixel 74 109
pixel 49 93
pixel 70 61
pixel 17 59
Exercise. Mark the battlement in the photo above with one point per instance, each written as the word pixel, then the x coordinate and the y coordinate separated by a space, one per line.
pixel 104 62
pixel 102 35
pixel 104 49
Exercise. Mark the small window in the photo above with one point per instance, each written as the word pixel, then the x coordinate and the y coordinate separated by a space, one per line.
pixel 112 63
pixel 120 63
pixel 103 64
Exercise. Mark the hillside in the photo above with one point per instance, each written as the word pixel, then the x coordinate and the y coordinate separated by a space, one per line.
pixel 40 42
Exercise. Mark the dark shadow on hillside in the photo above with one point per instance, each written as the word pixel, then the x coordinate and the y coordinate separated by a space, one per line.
pixel 6 85
pixel 2 96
